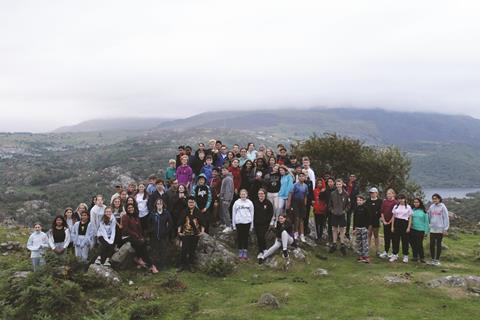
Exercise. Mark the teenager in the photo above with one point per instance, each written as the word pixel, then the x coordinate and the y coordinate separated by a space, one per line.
pixel 227 191
pixel 82 237
pixel 69 217
pixel 131 189
pixel 251 152
pixel 257 184
pixel 308 204
pixel 207 169
pixel 352 190
pixel 283 233
pixel 189 230
pixel 151 184
pixel 330 189
pixel 118 190
pixel 374 208
pixel 286 185
pixel 386 217
pixel 37 243
pixel 420 228
pixel 272 182
pixel 106 237
pixel 339 205
pixel 184 173
pixel 82 207
pixel 282 157
pixel 221 156
pixel 236 174
pixel 297 201
pixel 198 163
pixel 215 187
pixel 263 209
pixel 242 221
pixel 320 207
pixel 260 165
pixel 141 198
pixel 161 225
pixel 118 211
pixel 401 224
pixel 179 208
pixel 59 236
pixel 170 173
pixel 159 193
pixel 361 221
pixel 132 230
pixel 248 175
pixel 96 214
pixel 203 199
pixel 439 224
pixel 243 157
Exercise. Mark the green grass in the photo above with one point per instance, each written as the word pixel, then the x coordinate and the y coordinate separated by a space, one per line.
pixel 350 291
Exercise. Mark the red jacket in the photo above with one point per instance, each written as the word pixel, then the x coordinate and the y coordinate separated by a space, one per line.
pixel 237 177
pixel 320 204
pixel 131 227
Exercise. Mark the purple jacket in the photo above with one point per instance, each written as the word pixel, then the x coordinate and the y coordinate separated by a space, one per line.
pixel 184 175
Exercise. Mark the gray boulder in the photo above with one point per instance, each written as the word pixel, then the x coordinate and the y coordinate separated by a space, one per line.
pixel 123 258
pixel 278 262
pixel 210 249
pixel 320 273
pixel 453 281
pixel 269 300
pixel 105 274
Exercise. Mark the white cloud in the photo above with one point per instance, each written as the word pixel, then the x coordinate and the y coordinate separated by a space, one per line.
pixel 62 61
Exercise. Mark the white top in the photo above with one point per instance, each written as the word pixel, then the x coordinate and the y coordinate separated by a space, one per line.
pixel 36 243
pixel 242 212
pixel 142 205
pixel 401 212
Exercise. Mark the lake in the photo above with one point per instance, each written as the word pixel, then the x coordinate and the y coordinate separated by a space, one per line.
pixel 449 192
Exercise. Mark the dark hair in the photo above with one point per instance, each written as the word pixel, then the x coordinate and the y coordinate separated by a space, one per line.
pixel 215 169
pixel 54 223
pixel 191 198
pixel 105 219
pixel 400 197
pixel 439 197
pixel 422 205
pixel 128 206
pixel 159 181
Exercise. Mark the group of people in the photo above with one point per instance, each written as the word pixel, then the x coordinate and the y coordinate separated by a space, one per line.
pixel 241 190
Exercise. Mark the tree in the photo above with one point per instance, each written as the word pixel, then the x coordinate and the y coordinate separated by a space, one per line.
pixel 385 167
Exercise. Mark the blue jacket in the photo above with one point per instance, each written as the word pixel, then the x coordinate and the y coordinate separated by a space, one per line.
pixel 286 185
pixel 161 224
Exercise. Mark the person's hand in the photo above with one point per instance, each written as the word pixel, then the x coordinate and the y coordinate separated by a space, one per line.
pixel 393 229
pixel 204 210
pixel 181 234
pixel 408 230
pixel 445 233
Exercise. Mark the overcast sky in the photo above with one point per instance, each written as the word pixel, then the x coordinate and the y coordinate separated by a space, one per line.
pixel 62 62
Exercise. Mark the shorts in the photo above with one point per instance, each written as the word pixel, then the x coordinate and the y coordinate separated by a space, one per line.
pixel 299 209
pixel 339 221
pixel 374 222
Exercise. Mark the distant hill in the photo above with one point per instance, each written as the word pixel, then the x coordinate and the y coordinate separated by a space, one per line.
pixel 375 126
pixel 103 125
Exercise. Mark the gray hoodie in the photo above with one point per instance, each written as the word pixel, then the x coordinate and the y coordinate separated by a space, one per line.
pixel 227 189
pixel 438 216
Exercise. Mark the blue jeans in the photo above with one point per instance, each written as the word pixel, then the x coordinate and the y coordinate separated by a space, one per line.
pixel 37 263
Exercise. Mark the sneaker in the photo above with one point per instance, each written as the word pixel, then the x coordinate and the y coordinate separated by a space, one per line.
pixel 343 250
pixel 227 230
pixel 431 262
pixel 98 261
pixel 366 259
pixel 393 258
pixel 405 259
pixel 245 254
pixel 295 235
pixel 383 255
pixel 360 259
pixel 437 262
pixel 260 260
pixel 240 254
pixel 333 248
pixel 107 263
pixel 260 255
pixel 285 254
pixel 390 255
pixel 302 238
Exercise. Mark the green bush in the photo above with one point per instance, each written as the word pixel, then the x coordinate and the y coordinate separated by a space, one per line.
pixel 150 310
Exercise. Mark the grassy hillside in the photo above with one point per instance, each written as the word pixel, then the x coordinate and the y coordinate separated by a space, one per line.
pixel 350 291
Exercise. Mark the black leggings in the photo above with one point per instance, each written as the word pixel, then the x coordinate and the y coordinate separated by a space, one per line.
pixel 387 236
pixel 400 233
pixel 106 249
pixel 436 243
pixel 320 220
pixel 140 248
pixel 416 241
pixel 243 231
pixel 189 245
pixel 329 227
pixel 261 231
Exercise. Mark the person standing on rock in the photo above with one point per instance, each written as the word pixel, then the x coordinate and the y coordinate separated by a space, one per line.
pixel 319 202
pixel 106 237
pixel 82 237
pixel 189 230
pixel 227 191
pixel 297 202
pixel 386 217
pixel 339 205
pixel 263 209
pixel 401 225
pixel 96 215
pixel 439 224
pixel 242 221
pixel 37 242
pixel 160 228
pixel 284 237
pixel 59 236
pixel 203 198
pixel 185 173
pixel 286 185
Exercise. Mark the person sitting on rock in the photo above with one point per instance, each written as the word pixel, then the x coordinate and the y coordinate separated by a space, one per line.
pixel 283 233
pixel 106 237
